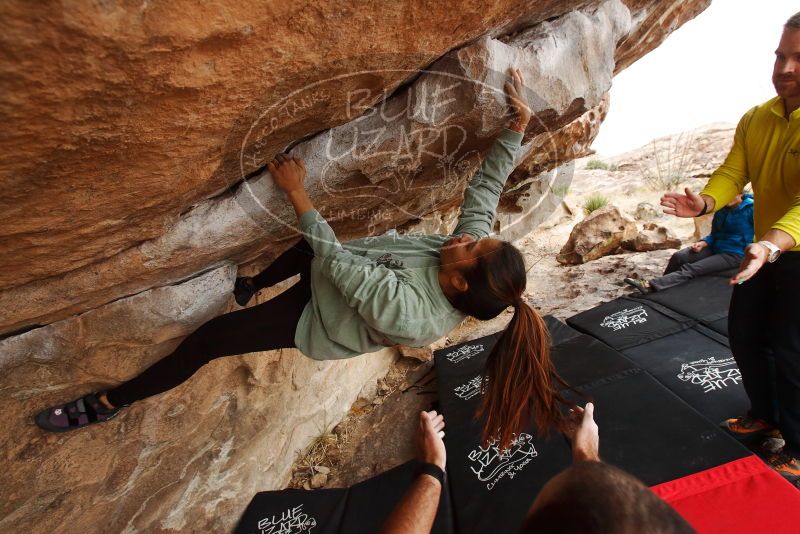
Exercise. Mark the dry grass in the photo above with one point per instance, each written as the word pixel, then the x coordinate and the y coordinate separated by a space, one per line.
pixel 670 160
pixel 326 450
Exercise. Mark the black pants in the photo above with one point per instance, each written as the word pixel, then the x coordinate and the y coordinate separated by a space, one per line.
pixel 687 264
pixel 764 324
pixel 268 326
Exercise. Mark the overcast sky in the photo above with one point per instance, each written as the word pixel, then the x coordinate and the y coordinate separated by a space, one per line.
pixel 712 69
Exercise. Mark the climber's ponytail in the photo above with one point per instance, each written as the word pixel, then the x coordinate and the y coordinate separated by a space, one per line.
pixel 519 382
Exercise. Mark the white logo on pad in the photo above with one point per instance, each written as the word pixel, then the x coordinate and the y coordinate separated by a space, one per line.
pixel 625 318
pixel 292 521
pixel 490 464
pixel 464 353
pixel 469 389
pixel 711 374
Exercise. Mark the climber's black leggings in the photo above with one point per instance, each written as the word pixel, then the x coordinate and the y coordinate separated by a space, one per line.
pixel 268 326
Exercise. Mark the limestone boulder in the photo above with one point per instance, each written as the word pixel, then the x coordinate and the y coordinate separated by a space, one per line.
pixel 601 233
pixel 150 191
pixel 188 460
pixel 652 237
pixel 133 190
pixel 645 211
pixel 120 117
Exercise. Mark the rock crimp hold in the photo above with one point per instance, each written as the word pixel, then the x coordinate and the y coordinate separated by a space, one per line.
pixel 186 460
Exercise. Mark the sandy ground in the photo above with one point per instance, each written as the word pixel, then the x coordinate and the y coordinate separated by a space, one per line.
pixel 377 435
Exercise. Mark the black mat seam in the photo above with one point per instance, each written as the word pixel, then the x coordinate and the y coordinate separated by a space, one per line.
pixel 712 334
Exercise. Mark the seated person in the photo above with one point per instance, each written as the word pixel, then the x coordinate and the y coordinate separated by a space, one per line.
pixel 588 497
pixel 721 250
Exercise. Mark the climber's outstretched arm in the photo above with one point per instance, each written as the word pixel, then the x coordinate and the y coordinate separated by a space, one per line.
pixel 517 102
pixel 481 197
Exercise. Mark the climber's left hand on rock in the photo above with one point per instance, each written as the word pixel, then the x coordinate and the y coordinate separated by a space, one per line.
pixel 289 173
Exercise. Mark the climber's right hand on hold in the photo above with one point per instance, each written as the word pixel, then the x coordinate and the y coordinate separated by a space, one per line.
pixel 517 102
pixel 289 175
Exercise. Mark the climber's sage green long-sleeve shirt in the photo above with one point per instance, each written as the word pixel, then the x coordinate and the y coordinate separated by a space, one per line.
pixel 766 153
pixel 381 291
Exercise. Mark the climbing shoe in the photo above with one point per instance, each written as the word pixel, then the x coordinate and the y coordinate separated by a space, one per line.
pixel 747 426
pixel 79 413
pixel 643 286
pixel 786 465
pixel 243 290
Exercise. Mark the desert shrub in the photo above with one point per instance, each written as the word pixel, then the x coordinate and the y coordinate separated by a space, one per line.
pixel 594 164
pixel 669 163
pixel 561 190
pixel 594 202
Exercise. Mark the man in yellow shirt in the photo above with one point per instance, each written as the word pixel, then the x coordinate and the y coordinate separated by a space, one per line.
pixel 765 308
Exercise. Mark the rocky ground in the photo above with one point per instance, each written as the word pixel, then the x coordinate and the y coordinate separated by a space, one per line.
pixel 376 435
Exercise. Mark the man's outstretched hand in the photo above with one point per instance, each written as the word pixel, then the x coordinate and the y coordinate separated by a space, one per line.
pixel 689 204
pixel 430 447
pixel 755 256
pixel 583 433
pixel 515 91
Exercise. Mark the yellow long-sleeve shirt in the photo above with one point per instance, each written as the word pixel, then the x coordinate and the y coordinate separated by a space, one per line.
pixel 766 153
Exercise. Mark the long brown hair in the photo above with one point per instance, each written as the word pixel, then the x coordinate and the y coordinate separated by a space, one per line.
pixel 519 380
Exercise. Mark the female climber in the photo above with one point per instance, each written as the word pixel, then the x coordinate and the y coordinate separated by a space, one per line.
pixel 368 294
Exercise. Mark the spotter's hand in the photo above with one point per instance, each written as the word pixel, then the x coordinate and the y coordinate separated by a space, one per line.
pixel 755 256
pixel 689 204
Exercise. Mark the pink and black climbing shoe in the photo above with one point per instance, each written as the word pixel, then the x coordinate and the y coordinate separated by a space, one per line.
pixel 85 411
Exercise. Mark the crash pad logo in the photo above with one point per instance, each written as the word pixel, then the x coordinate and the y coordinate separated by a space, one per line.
pixel 625 318
pixel 490 464
pixel 292 521
pixel 469 389
pixel 711 374
pixel 464 353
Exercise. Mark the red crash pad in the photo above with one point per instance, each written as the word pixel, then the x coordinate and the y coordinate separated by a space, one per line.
pixel 743 496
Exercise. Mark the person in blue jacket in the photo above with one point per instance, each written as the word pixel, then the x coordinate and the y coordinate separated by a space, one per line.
pixel 721 250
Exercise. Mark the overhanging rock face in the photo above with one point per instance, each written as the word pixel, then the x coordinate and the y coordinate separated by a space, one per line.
pixel 132 185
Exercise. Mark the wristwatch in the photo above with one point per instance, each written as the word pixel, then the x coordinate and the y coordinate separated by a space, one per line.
pixel 774 251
